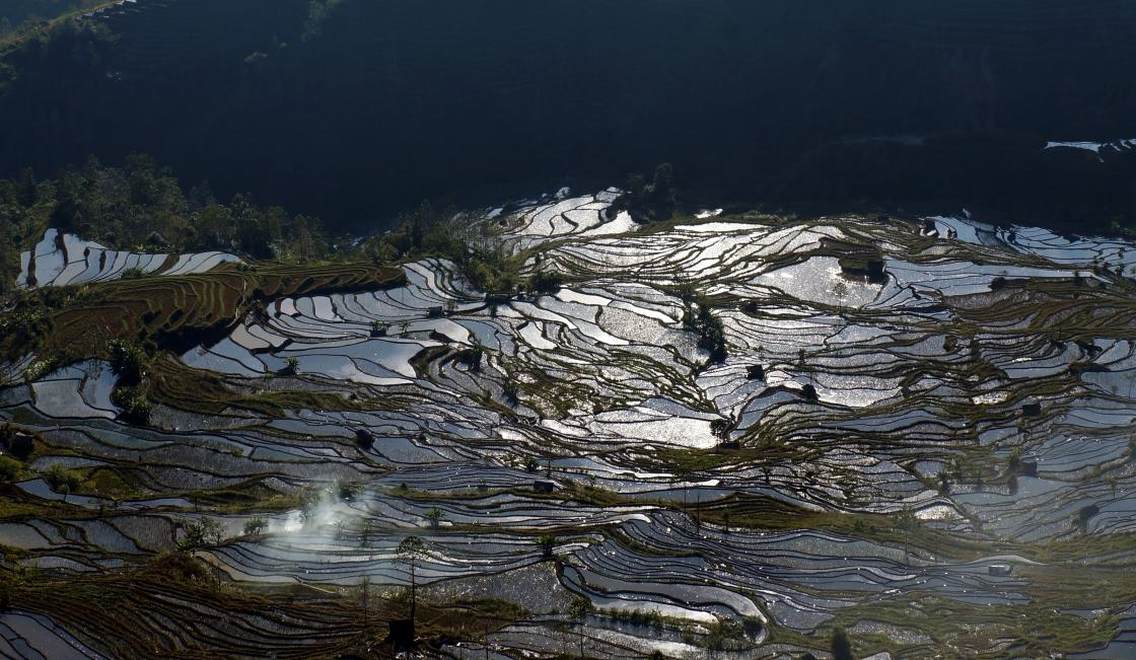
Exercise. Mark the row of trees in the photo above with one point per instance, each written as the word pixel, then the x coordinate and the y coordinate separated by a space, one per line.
pixel 142 206
pixel 444 232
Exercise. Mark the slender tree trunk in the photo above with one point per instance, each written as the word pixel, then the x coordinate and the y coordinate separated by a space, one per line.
pixel 366 600
pixel 413 596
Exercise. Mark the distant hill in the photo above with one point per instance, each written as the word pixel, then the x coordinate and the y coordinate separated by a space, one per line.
pixel 18 17
pixel 18 11
pixel 353 110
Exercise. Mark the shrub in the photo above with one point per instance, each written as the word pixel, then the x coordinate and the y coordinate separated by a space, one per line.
pixel 711 332
pixel 580 608
pixel 62 479
pixel 291 367
pixel 547 282
pixel 471 358
pixel 638 617
pixel 1014 462
pixel 178 566
pixel 201 533
pixel 129 361
pixel 725 635
pixel 132 274
pixel 653 201
pixel 37 369
pixel 547 544
pixel 841 647
pixel 491 271
pixel 364 439
pixel 255 526
pixel 1084 515
pixel 10 469
pixel 20 445
pixel 135 404
pixel 349 491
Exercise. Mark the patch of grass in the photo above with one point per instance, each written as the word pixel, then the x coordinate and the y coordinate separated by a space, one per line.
pixel 175 313
pixel 174 384
pixel 107 482
pixel 62 479
pixel 251 496
pixel 706 460
pixel 10 469
pixel 1033 630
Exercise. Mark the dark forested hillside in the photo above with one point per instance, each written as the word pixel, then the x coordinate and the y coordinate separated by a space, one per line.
pixel 593 328
pixel 353 109
pixel 15 12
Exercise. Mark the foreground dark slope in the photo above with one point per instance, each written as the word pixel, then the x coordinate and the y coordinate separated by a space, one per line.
pixel 384 104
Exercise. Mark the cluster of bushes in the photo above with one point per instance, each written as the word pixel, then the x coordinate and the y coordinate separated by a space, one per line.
pixel 698 318
pixel 201 533
pixel 471 358
pixel 61 479
pixel 10 469
pixel 130 362
pixel 492 271
pixel 15 443
pixel 651 618
pixel 22 326
pixel 26 319
pixel 16 448
pixel 547 282
pixel 429 231
pixel 255 526
pixel 142 206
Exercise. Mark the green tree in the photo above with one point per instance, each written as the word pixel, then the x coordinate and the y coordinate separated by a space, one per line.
pixel 255 526
pixel 547 545
pixel 841 646
pixel 547 282
pixel 62 480
pixel 201 533
pixel 291 367
pixel 906 523
pixel 129 362
pixel 412 551
pixel 579 610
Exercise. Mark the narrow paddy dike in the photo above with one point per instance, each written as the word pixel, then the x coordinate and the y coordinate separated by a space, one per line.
pixel 904 410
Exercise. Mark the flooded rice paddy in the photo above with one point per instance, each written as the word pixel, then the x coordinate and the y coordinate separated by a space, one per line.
pixel 982 387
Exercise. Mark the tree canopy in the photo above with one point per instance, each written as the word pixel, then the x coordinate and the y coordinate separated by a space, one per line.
pixel 143 206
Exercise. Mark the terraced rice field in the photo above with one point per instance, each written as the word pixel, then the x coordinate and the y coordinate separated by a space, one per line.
pixel 67 260
pixel 937 456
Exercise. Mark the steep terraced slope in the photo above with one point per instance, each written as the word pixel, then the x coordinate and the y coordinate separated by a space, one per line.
pixel 919 432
